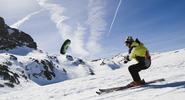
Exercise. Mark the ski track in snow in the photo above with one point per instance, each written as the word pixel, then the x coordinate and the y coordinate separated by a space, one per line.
pixel 168 65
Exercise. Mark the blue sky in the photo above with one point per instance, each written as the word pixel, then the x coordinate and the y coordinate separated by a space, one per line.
pixel 159 24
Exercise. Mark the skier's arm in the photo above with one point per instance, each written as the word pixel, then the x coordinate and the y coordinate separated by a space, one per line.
pixel 126 59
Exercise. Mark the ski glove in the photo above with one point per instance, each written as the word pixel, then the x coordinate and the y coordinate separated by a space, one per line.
pixel 126 59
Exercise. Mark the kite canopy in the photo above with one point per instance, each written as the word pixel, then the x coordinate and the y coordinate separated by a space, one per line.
pixel 65 46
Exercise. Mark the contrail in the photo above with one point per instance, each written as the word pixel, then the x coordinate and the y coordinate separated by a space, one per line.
pixel 20 22
pixel 120 1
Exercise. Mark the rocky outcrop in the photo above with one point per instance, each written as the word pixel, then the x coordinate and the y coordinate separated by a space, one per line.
pixel 46 69
pixel 11 38
pixel 11 77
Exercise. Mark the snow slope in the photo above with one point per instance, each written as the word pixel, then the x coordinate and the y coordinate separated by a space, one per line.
pixel 22 66
pixel 168 65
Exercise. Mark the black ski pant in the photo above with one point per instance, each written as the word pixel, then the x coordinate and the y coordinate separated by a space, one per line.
pixel 135 69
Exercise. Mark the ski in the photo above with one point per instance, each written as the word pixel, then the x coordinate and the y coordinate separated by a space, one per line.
pixel 108 90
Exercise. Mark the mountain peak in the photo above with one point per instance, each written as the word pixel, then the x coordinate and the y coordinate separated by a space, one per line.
pixel 10 38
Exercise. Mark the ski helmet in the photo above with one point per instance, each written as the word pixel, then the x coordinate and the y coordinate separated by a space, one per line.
pixel 129 39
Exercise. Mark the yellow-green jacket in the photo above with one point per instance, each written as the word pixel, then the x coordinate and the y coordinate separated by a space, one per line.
pixel 139 50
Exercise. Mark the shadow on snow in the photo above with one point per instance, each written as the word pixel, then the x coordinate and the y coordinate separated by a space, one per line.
pixel 174 84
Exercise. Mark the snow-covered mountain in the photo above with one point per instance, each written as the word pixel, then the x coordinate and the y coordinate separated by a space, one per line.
pixel 42 68
pixel 22 65
pixel 79 79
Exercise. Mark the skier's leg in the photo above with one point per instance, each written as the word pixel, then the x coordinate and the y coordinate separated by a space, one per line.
pixel 134 71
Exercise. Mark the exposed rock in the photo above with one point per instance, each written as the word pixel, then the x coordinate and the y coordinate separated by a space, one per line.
pixel 69 57
pixel 78 62
pixel 48 66
pixel 10 38
pixel 6 74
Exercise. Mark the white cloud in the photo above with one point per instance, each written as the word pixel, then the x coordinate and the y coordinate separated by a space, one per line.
pixel 96 23
pixel 79 42
pixel 83 43
pixel 26 18
pixel 66 31
pixel 58 17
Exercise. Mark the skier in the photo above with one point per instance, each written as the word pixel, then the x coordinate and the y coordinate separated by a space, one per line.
pixel 139 52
